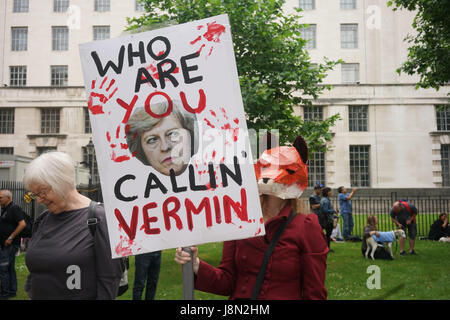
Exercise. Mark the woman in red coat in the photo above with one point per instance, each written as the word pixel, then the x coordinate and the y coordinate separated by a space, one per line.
pixel 297 266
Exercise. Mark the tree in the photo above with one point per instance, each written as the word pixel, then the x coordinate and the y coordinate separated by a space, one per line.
pixel 275 71
pixel 429 53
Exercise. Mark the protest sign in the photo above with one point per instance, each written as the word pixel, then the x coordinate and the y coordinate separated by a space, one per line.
pixel 170 136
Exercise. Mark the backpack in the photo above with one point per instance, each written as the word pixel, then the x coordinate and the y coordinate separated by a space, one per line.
pixel 92 224
pixel 28 230
pixel 406 206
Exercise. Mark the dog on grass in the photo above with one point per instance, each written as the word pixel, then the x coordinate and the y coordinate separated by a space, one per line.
pixel 386 238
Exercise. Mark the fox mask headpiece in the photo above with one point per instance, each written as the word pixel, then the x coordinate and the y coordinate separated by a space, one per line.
pixel 283 171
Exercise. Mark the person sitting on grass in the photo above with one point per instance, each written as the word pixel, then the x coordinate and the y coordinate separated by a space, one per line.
pixel 369 230
pixel 336 235
pixel 440 229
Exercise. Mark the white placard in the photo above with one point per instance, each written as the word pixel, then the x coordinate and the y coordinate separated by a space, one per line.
pixel 211 192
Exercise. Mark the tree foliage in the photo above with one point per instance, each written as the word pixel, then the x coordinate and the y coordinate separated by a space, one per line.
pixel 275 71
pixel 429 53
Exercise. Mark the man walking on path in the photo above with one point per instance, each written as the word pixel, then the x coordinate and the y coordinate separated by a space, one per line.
pixel 12 222
pixel 403 214
pixel 345 205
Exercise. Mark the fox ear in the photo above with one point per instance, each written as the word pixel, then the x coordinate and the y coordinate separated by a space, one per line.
pixel 267 141
pixel 302 148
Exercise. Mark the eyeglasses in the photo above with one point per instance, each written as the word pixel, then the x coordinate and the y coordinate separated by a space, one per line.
pixel 40 194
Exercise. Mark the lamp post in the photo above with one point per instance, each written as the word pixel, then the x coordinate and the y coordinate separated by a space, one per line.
pixel 90 154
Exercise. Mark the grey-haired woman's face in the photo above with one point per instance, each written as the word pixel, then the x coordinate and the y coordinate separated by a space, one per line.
pixel 48 197
pixel 167 146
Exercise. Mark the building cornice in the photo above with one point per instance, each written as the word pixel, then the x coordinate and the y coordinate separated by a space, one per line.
pixel 47 135
pixel 439 133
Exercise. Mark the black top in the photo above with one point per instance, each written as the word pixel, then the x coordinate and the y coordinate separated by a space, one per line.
pixel 314 199
pixel 67 262
pixel 437 231
pixel 12 214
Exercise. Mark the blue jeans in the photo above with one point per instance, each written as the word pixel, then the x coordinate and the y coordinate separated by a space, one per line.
pixel 147 268
pixel 8 275
pixel 348 224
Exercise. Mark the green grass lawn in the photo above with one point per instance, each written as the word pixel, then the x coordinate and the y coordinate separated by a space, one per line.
pixel 424 222
pixel 425 276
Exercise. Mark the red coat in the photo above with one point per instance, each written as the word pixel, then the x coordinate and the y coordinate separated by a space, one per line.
pixel 296 269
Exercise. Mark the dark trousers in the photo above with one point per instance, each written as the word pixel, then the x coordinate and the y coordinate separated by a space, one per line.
pixel 147 268
pixel 326 222
pixel 8 275
pixel 328 232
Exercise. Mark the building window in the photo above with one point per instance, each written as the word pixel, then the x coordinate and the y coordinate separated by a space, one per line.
pixel 60 38
pixel 17 76
pixel 350 72
pixel 309 34
pixel 19 38
pixel 443 117
pixel 61 5
pixel 87 122
pixel 20 6
pixel 316 161
pixel 316 168
pixel 312 113
pixel 102 5
pixel 349 36
pixel 101 33
pixel 59 76
pixel 91 160
pixel 445 163
pixel 50 120
pixel 6 150
pixel 139 6
pixel 307 4
pixel 6 120
pixel 41 150
pixel 360 166
pixel 358 118
pixel 348 4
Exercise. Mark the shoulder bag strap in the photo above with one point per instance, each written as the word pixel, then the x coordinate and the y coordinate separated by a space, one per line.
pixel 262 270
pixel 92 221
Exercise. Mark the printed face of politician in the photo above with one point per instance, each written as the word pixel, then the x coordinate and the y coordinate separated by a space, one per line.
pixel 167 146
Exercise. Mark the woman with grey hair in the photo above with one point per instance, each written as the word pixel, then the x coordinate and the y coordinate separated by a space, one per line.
pixel 65 260
pixel 166 143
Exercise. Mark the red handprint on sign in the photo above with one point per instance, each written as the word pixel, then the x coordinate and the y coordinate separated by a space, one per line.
pixel 116 144
pixel 212 34
pixel 102 95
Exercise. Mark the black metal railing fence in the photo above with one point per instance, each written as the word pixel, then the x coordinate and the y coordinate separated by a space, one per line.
pixel 429 207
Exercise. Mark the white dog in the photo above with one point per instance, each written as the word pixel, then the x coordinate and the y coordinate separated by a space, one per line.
pixel 386 238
